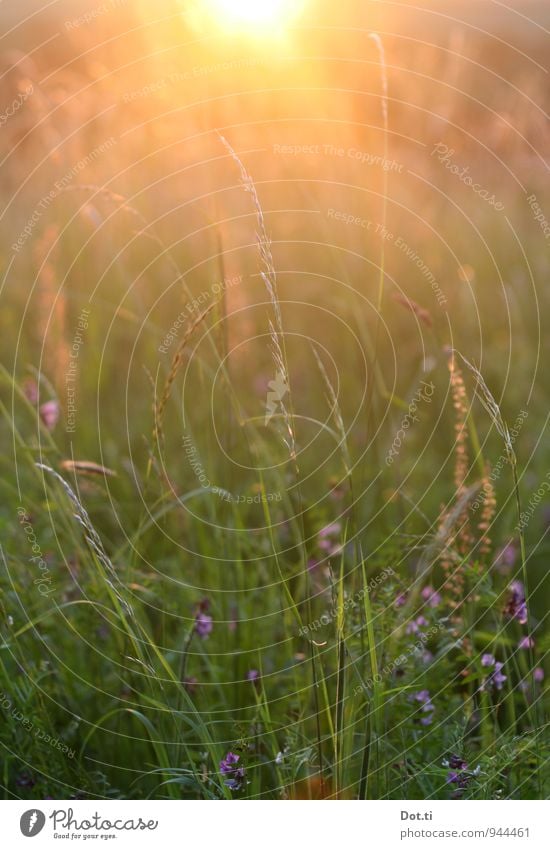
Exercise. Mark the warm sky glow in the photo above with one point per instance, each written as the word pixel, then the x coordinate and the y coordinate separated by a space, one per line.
pixel 254 14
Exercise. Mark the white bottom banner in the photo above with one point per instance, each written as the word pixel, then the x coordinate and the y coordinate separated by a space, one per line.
pixel 276 824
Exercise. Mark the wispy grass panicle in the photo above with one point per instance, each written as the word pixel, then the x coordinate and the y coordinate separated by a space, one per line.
pixel 268 272
pixel 91 536
pixel 177 359
pixel 144 650
pixel 485 396
pixel 269 276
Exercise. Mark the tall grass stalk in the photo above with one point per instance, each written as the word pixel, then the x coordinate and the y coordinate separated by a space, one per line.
pixel 374 712
pixel 382 262
pixel 269 276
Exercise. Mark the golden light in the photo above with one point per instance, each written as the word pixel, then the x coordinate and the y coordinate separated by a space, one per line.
pixel 254 14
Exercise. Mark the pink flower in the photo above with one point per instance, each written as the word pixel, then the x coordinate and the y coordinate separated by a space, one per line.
pixel 49 413
pixel 431 596
pixel 330 530
pixel 414 626
pixel 327 539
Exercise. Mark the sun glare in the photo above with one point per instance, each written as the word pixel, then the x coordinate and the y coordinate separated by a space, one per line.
pixel 254 14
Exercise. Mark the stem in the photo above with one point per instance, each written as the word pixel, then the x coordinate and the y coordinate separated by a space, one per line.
pixel 375 713
pixel 525 580
pixel 381 276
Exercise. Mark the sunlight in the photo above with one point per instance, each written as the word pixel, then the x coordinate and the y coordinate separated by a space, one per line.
pixel 252 14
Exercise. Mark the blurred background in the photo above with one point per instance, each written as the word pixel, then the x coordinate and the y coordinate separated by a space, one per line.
pixel 120 194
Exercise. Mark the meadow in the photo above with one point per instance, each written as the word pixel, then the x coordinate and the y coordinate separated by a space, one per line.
pixel 275 473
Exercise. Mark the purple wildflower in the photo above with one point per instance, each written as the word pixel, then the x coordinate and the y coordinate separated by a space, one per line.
pixel 526 643
pixel 401 600
pixel 414 626
pixel 227 765
pixel 237 781
pixel 498 678
pixel 235 775
pixel 516 606
pixel 461 779
pixel 495 678
pixel 423 697
pixel 203 625
pixel 459 774
pixel 431 596
pixel 538 674
pixel 253 675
